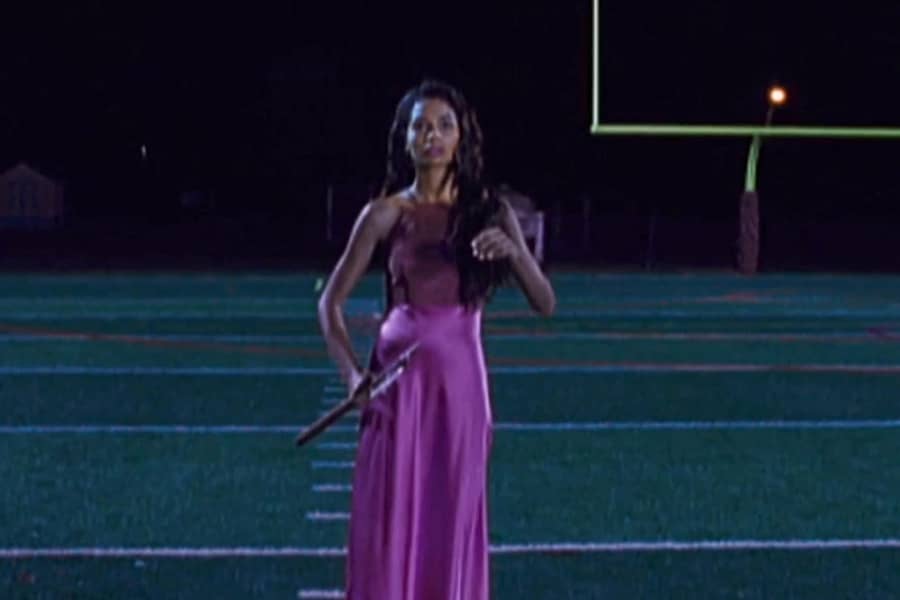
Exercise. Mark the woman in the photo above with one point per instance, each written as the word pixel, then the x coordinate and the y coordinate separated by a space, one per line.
pixel 418 526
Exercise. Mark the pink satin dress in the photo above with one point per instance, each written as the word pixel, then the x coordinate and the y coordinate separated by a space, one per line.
pixel 418 525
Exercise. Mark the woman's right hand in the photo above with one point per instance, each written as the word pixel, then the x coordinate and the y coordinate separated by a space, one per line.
pixel 357 381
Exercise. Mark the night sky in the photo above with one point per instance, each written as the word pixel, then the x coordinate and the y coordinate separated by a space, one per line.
pixel 266 104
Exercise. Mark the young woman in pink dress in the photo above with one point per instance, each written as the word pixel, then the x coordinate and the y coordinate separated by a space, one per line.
pixel 418 525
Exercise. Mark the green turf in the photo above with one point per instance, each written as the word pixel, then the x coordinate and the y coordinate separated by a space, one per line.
pixel 260 400
pixel 760 575
pixel 139 490
pixel 497 320
pixel 255 489
pixel 118 354
pixel 131 352
pixel 178 400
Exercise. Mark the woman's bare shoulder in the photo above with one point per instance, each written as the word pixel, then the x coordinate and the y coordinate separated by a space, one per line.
pixel 383 212
pixel 391 204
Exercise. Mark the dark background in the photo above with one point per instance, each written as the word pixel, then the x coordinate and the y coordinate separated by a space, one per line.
pixel 259 108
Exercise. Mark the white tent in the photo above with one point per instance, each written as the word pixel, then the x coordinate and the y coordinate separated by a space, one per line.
pixel 29 199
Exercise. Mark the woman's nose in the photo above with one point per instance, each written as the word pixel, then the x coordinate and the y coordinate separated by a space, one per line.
pixel 431 132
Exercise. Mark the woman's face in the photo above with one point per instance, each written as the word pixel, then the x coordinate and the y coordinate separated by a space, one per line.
pixel 433 133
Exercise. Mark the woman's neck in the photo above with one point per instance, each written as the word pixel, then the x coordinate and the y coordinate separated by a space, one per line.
pixel 432 186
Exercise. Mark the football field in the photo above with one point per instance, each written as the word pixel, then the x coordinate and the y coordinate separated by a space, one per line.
pixel 695 435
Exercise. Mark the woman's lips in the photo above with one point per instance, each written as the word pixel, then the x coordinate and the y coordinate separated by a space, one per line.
pixel 434 151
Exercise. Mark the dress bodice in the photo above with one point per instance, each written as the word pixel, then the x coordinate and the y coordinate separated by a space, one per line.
pixel 422 268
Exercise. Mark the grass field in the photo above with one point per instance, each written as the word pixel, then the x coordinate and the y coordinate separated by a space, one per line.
pixel 662 436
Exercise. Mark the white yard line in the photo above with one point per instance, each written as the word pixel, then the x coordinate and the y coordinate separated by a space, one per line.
pixel 336 446
pixel 157 371
pixel 162 429
pixel 690 336
pixel 500 426
pixel 312 594
pixel 173 337
pixel 332 488
pixel 536 335
pixel 724 545
pixel 327 516
pixel 211 314
pixel 701 311
pixel 332 464
pixel 596 368
pixel 702 425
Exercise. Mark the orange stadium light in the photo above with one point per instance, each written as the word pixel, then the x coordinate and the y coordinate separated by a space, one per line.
pixel 777 95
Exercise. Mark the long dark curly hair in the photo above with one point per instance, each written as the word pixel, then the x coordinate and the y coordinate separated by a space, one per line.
pixel 477 205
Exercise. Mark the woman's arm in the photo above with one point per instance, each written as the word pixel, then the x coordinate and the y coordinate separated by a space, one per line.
pixel 372 225
pixel 507 241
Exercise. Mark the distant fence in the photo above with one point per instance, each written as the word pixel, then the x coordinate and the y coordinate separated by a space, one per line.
pixel 575 231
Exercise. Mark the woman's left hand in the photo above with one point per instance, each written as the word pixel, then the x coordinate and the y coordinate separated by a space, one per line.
pixel 494 244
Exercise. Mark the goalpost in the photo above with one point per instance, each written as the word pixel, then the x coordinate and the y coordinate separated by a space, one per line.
pixel 748 239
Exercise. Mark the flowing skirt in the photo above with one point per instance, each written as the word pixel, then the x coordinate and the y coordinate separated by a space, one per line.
pixel 418 524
